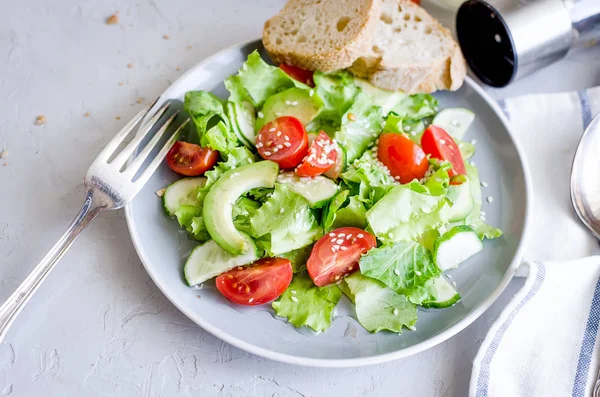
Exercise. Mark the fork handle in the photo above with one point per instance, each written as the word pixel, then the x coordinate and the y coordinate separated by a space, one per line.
pixel 93 206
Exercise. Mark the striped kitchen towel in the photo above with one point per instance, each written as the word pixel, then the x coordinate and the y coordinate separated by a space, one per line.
pixel 545 341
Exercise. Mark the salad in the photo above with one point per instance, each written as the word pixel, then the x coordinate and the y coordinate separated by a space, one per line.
pixel 303 187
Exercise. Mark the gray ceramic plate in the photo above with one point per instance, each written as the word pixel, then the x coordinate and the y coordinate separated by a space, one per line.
pixel 162 248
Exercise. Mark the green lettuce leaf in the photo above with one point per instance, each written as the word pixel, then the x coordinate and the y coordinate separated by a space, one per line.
pixel 417 106
pixel 404 266
pixel 285 222
pixel 190 218
pixel 305 304
pixel 482 229
pixel 298 258
pixel 257 80
pixel 412 128
pixel 243 210
pixel 404 213
pixel 205 109
pixel 221 138
pixel 361 125
pixel 371 176
pixel 337 90
pixel 378 307
pixel 353 214
pixel 331 209
pixel 437 180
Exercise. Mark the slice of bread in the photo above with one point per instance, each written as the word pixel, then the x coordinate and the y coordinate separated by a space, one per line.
pixel 321 35
pixel 411 51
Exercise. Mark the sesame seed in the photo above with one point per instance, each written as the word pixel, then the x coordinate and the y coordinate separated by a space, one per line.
pixel 454 284
pixel 455 123
pixel 351 117
pixel 482 213
pixel 287 144
pixel 336 247
pixel 343 248
pixel 418 273
pixel 331 234
pixel 395 312
pixel 267 153
pixel 275 150
pixel 360 235
pixel 473 141
pixel 259 145
pixel 348 237
pixel 340 241
pixel 250 300
pixel 449 276
pixel 293 291
pixel 287 138
pixel 396 272
pixel 281 210
pixel 484 184
pixel 489 199
pixel 311 92
pixel 295 103
pixel 333 249
pixel 472 163
pixel 294 299
pixel 442 141
pixel 406 128
pixel 278 134
pixel 333 240
pixel 260 115
pixel 397 178
pixel 272 129
pixel 391 235
pixel 288 103
pixel 482 218
pixel 341 235
pixel 279 146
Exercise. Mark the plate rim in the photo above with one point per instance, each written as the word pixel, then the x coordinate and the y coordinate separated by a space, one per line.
pixel 347 362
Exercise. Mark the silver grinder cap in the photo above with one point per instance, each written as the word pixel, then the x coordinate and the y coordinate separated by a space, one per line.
pixel 504 40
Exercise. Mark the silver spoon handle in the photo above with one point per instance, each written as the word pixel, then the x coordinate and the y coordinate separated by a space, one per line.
pixel 15 303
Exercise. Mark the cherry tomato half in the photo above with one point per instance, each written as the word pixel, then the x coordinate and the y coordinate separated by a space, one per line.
pixel 304 76
pixel 440 145
pixel 190 159
pixel 404 158
pixel 283 141
pixel 322 155
pixel 337 253
pixel 258 283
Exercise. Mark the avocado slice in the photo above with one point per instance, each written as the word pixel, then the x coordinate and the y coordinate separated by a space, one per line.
pixel 295 102
pixel 219 202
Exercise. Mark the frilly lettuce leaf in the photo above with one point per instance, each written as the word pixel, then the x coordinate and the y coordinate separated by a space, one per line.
pixel 378 307
pixel 361 125
pixel 305 304
pixel 337 90
pixel 371 176
pixel 482 229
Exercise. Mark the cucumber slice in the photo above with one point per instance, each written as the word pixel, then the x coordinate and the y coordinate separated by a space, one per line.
pixel 467 150
pixel 446 294
pixel 455 121
pixel 456 246
pixel 183 191
pixel 462 201
pixel 317 190
pixel 242 122
pixel 219 202
pixel 338 167
pixel 209 260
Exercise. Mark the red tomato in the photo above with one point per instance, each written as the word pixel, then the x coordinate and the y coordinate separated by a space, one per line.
pixel 416 1
pixel 321 157
pixel 305 76
pixel 258 283
pixel 404 158
pixel 283 141
pixel 190 159
pixel 440 145
pixel 337 253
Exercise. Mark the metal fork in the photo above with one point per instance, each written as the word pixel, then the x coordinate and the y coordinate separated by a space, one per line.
pixel 110 186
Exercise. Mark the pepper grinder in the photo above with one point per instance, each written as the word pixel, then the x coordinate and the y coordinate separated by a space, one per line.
pixel 505 40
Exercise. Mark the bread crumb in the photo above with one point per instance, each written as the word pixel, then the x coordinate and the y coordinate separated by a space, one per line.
pixel 130 65
pixel 121 83
pixel 140 100
pixel 39 120
pixel 113 19
pixel 86 114
pixel 4 154
pixel 351 117
pixel 178 68
pixel 161 192
pixel 117 117
pixel 166 37
pixel 5 164
pixel 188 47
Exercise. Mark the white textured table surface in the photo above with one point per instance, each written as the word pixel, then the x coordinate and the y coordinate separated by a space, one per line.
pixel 98 326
